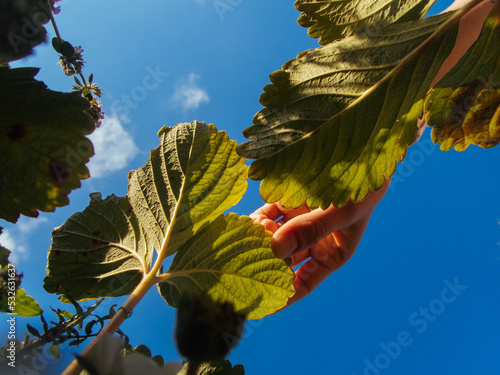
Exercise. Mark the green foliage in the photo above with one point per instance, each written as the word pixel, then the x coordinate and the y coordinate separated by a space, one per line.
pixel 21 27
pixel 12 298
pixel 358 101
pixel 463 105
pixel 230 260
pixel 331 20
pixel 174 205
pixel 44 131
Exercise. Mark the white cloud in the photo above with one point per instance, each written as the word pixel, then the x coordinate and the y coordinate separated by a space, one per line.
pixel 114 148
pixel 188 95
pixel 15 238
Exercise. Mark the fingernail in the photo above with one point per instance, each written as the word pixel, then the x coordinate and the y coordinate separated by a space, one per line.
pixel 284 245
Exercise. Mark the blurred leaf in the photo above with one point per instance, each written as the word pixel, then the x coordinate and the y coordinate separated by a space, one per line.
pixel 338 119
pixel 159 360
pixel 231 261
pixel 464 106
pixel 43 143
pixel 54 350
pixel 335 19
pixel 33 330
pixel 143 349
pixel 218 368
pixel 4 254
pixel 21 27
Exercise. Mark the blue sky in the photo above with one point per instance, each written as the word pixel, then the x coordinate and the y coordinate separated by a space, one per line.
pixel 420 296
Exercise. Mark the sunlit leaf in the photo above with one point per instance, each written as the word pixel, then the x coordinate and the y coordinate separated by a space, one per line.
pixel 231 260
pixel 464 106
pixel 175 203
pixel 190 179
pixel 335 19
pixel 43 143
pixel 100 252
pixel 338 119
pixel 24 305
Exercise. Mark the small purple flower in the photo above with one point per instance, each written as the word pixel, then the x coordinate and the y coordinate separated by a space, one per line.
pixel 55 9
pixel 74 64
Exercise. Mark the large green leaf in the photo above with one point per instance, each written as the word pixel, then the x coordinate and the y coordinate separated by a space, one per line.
pixel 335 19
pixel 231 260
pixel 335 127
pixel 175 203
pixel 464 106
pixel 320 83
pixel 43 143
pixel 191 178
pixel 100 252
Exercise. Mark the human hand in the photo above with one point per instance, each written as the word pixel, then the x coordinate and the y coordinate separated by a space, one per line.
pixel 327 238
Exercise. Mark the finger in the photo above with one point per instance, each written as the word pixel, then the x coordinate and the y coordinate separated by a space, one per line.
pixel 268 211
pixel 323 262
pixel 304 231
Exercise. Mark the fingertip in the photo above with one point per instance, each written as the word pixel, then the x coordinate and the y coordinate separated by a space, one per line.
pixel 284 244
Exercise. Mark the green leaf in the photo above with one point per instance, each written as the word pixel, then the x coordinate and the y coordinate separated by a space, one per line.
pixel 21 28
pixel 54 350
pixel 231 261
pixel 100 252
pixel 338 119
pixel 24 306
pixel 190 179
pixel 464 106
pixel 335 19
pixel 43 143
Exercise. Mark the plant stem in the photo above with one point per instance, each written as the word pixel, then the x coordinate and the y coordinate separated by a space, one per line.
pixel 53 21
pixel 112 326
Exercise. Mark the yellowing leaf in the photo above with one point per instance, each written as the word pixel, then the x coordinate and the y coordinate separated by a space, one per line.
pixel 464 106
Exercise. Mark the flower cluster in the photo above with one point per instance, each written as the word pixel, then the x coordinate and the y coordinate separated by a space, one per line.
pixel 72 63
pixel 53 7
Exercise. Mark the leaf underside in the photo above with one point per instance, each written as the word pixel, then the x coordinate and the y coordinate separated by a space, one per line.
pixel 464 106
pixel 338 119
pixel 336 19
pixel 175 202
pixel 45 132
pixel 100 252
pixel 231 260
